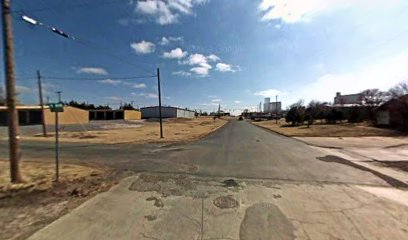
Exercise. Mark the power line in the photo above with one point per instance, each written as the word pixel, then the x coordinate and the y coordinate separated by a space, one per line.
pixel 85 43
pixel 70 6
pixel 98 79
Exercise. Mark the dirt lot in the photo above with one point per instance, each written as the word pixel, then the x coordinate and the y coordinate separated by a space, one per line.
pixel 327 130
pixel 27 207
pixel 175 130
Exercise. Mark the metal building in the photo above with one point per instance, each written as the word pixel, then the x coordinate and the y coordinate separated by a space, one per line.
pixel 167 112
pixel 109 114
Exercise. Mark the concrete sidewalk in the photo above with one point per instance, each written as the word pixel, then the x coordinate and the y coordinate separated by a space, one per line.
pixel 385 155
pixel 376 148
pixel 183 207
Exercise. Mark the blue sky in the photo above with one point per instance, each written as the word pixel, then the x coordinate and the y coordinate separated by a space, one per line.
pixel 211 52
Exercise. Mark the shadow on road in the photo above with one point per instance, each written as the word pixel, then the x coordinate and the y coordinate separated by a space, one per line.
pixel 393 182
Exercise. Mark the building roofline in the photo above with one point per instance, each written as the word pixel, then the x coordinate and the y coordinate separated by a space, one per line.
pixel 26 107
pixel 346 95
pixel 110 110
pixel 168 107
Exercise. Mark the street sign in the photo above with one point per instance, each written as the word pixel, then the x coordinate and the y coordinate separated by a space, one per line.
pixel 56 107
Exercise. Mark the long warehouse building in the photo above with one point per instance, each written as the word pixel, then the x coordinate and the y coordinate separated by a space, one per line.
pixel 32 115
pixel 167 112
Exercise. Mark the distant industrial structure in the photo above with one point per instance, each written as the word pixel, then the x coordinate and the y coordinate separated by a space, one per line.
pixel 167 112
pixel 272 107
pixel 350 99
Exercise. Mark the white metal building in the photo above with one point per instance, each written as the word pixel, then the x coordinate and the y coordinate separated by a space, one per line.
pixel 167 112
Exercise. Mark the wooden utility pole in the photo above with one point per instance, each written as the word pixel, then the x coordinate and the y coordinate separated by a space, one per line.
pixel 160 106
pixel 276 109
pixel 13 127
pixel 57 140
pixel 44 127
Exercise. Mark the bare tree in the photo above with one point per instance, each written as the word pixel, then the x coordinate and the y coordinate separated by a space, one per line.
pixel 299 103
pixel 374 97
pixel 399 90
pixel 316 110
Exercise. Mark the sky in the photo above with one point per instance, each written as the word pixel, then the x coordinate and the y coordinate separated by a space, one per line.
pixel 210 52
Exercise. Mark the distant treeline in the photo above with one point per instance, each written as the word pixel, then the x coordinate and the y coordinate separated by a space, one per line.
pixel 86 106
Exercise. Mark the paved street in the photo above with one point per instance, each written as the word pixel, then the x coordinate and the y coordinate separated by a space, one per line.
pixel 237 150
pixel 285 190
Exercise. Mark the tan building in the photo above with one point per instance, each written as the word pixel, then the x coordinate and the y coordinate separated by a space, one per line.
pixel 109 114
pixel 32 115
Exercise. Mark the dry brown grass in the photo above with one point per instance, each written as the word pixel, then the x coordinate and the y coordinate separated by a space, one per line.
pixel 28 207
pixel 175 130
pixel 40 175
pixel 327 130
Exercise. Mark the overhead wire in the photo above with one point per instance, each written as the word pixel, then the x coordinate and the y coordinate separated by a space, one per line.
pixel 73 6
pixel 97 79
pixel 32 21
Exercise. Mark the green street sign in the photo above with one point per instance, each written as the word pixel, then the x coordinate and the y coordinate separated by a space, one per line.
pixel 56 107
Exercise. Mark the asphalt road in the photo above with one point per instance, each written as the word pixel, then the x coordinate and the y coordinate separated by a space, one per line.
pixel 284 189
pixel 239 150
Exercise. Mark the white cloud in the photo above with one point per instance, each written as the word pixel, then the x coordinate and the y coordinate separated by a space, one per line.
pixel 164 41
pixel 182 73
pixel 201 71
pixel 201 63
pixel 176 39
pixel 213 58
pixel 197 59
pixel 93 70
pixel 216 100
pixel 210 104
pixel 268 93
pixel 148 95
pixel 202 67
pixel 167 40
pixel 167 11
pixel 143 47
pixel 223 67
pixel 237 101
pixel 139 85
pixel 110 82
pixel 291 11
pixel 23 89
pixel 114 98
pixel 175 53
pixel 382 75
